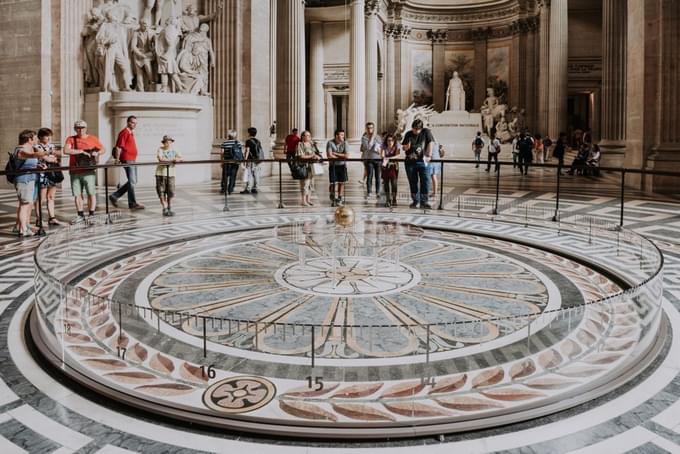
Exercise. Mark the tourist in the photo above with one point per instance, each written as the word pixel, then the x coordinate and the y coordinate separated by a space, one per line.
pixel 515 151
pixel 581 159
pixel 560 150
pixel 525 146
pixel 477 146
pixel 336 152
pixel 307 151
pixel 231 151
pixel 538 149
pixel 48 182
pixel 390 169
pixel 126 153
pixel 547 144
pixel 165 173
pixel 292 141
pixel 435 167
pixel 418 143
pixel 594 160
pixel 370 153
pixel 493 151
pixel 253 155
pixel 83 150
pixel 27 158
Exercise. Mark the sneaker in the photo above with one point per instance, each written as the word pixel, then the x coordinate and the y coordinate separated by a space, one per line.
pixel 78 220
pixel 165 212
pixel 253 191
pixel 114 201
pixel 427 206
pixel 334 203
pixel 15 230
pixel 54 222
pixel 340 202
pixel 245 191
pixel 139 206
pixel 27 233
pixel 413 205
pixel 477 166
pixel 170 212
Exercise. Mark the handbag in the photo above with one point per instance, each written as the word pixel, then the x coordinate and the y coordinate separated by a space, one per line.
pixel 317 169
pixel 245 176
pixel 299 170
pixel 54 176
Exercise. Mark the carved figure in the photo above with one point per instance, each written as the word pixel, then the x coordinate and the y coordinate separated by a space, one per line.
pixel 455 94
pixel 189 63
pixel 406 117
pixel 503 131
pixel 93 64
pixel 191 20
pixel 113 52
pixel 491 111
pixel 166 9
pixel 166 51
pixel 143 55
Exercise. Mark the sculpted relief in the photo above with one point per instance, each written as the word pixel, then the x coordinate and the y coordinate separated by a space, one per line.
pixel 168 49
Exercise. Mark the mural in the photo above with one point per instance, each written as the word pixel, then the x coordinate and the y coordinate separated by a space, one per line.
pixel 463 61
pixel 498 71
pixel 421 76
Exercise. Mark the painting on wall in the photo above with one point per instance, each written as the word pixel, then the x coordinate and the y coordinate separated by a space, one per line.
pixel 421 76
pixel 498 70
pixel 462 61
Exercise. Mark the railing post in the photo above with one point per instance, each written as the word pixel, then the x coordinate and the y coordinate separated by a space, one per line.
pixel 106 194
pixel 557 199
pixel 623 195
pixel 313 353
pixel 280 186
pixel 167 186
pixel 205 340
pixel 226 185
pixel 441 185
pixel 498 187
pixel 41 229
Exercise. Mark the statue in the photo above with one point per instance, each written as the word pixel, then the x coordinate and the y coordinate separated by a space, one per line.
pixel 191 20
pixel 189 64
pixel 112 50
pixel 166 53
pixel 198 44
pixel 455 94
pixel 491 111
pixel 143 55
pixel 93 67
pixel 503 131
pixel 166 9
pixel 405 118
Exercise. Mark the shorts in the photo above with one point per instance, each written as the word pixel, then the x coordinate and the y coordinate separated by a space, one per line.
pixel 85 181
pixel 337 174
pixel 165 186
pixel 27 191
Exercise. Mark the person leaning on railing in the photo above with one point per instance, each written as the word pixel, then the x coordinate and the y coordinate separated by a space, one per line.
pixel 83 150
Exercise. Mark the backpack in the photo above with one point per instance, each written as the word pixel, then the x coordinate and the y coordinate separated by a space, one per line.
pixel 233 151
pixel 479 143
pixel 256 150
pixel 12 166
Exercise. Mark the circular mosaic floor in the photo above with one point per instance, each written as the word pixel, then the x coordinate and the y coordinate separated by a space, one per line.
pixel 470 325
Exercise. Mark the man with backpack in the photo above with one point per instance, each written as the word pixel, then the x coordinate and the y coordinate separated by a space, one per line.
pixel 418 144
pixel 526 155
pixel 560 151
pixel 254 154
pixel 477 147
pixel 231 151
pixel 494 151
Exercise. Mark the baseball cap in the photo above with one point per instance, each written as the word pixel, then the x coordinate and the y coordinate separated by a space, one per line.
pixel 80 124
pixel 167 138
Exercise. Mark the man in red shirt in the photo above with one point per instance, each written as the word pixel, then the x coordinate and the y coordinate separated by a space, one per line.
pixel 126 149
pixel 292 141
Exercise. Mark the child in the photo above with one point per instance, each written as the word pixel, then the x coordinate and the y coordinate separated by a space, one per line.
pixel 165 174
pixel 48 184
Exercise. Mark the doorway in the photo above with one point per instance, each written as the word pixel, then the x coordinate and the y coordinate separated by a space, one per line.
pixel 340 111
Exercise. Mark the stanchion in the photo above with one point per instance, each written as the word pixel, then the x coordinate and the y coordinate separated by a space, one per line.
pixel 226 181
pixel 498 188
pixel 623 195
pixel 166 188
pixel 39 220
pixel 106 195
pixel 557 199
pixel 280 187
pixel 441 186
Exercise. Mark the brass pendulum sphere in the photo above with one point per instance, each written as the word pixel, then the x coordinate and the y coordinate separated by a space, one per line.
pixel 344 216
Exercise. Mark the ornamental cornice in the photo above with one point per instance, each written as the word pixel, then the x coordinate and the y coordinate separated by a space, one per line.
pixel 478 15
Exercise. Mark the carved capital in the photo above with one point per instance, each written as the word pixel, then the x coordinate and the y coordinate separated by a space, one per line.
pixel 481 34
pixel 371 7
pixel 438 36
pixel 402 31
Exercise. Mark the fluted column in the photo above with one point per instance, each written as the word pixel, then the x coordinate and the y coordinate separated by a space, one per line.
pixel 357 69
pixel 71 85
pixel 390 72
pixel 614 60
pixel 543 69
pixel 439 39
pixel 272 57
pixel 290 64
pixel 317 109
pixel 372 60
pixel 481 46
pixel 557 99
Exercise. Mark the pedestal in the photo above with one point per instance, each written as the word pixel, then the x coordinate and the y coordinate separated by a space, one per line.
pixel 187 118
pixel 455 131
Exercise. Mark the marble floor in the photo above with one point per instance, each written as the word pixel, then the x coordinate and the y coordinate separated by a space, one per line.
pixel 42 412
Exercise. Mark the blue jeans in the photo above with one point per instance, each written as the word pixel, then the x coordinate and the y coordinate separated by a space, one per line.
pixel 418 174
pixel 129 186
pixel 372 170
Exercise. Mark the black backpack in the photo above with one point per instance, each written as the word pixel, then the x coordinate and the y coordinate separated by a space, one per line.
pixel 12 166
pixel 479 143
pixel 256 150
pixel 233 151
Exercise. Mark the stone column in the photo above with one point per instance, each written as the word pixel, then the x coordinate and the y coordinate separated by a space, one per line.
pixel 401 100
pixel 559 55
pixel 317 106
pixel 666 152
pixel 439 39
pixel 543 66
pixel 272 58
pixel 480 36
pixel 531 83
pixel 290 64
pixel 357 78
pixel 372 7
pixel 390 72
pixel 614 60
pixel 71 84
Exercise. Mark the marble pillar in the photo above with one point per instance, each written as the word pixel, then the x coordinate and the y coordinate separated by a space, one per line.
pixel 543 66
pixel 290 63
pixel 371 10
pixel 317 106
pixel 530 99
pixel 390 74
pixel 480 38
pixel 272 58
pixel 558 75
pixel 357 82
pixel 401 74
pixel 614 60
pixel 439 39
pixel 666 152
